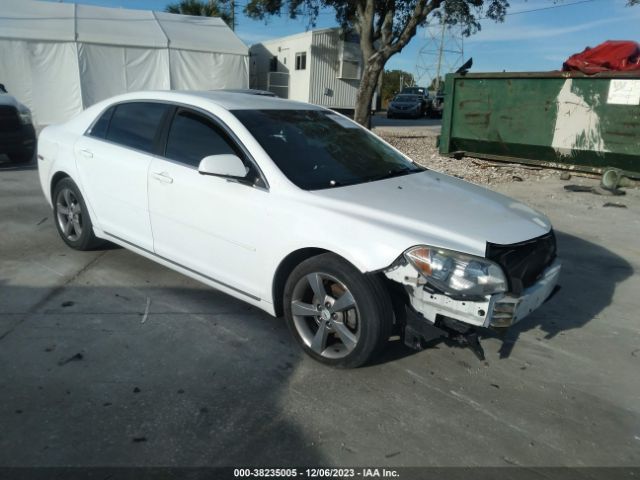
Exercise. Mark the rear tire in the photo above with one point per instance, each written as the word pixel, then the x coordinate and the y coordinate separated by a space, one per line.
pixel 71 216
pixel 339 316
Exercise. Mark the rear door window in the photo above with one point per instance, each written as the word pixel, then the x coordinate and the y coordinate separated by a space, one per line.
pixel 193 137
pixel 135 124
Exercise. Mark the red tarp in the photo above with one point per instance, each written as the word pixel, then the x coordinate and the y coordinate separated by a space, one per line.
pixel 618 56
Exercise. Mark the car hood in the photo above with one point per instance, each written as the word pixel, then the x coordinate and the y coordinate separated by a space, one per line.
pixel 436 209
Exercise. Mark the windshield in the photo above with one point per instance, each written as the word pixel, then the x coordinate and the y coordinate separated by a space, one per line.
pixel 318 149
pixel 406 98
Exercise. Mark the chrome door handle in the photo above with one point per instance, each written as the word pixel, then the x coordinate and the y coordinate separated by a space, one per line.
pixel 86 153
pixel 162 177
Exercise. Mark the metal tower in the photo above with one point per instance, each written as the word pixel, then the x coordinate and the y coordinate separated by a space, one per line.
pixel 441 53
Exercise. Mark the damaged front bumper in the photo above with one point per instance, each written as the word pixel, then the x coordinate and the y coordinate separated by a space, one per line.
pixel 499 310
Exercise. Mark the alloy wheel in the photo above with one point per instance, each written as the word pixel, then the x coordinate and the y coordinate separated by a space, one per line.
pixel 69 214
pixel 325 315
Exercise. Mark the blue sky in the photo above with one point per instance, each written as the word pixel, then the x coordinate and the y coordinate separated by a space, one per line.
pixel 526 41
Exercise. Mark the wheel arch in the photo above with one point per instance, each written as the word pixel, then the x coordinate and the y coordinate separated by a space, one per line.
pixel 61 175
pixel 293 259
pixel 286 266
pixel 55 179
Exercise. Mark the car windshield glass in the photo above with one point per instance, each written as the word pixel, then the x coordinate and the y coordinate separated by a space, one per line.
pixel 317 149
pixel 406 98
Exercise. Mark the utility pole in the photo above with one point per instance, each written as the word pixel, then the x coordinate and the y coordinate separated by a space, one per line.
pixel 440 50
pixel 233 15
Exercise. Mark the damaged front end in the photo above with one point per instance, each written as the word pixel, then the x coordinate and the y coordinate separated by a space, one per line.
pixel 459 293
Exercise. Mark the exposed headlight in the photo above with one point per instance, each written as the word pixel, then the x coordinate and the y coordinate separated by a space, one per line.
pixel 457 273
pixel 25 118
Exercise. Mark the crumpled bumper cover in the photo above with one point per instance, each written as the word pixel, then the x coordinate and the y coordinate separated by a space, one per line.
pixel 498 310
pixel 509 309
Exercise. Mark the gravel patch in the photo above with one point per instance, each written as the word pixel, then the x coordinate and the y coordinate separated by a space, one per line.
pixel 422 149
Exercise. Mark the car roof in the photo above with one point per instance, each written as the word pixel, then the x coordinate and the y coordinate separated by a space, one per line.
pixel 250 91
pixel 247 101
pixel 228 100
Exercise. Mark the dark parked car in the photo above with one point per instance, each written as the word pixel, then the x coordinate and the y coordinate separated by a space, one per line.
pixel 17 135
pixel 405 105
pixel 423 93
pixel 416 91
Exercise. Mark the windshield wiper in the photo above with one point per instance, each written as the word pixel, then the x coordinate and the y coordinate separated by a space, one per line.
pixel 395 172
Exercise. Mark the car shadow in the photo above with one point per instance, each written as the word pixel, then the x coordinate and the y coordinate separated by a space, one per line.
pixel 590 274
pixel 160 375
pixel 105 245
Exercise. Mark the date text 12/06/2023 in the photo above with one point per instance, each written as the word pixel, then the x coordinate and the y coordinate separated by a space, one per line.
pixel 315 473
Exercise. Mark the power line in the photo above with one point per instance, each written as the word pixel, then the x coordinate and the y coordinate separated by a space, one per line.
pixel 560 5
pixel 551 7
pixel 521 12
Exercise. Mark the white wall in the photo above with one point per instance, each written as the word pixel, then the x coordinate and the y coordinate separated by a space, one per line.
pixel 108 70
pixel 59 58
pixel 56 80
pixel 285 49
pixel 44 76
pixel 319 83
pixel 325 68
pixel 191 70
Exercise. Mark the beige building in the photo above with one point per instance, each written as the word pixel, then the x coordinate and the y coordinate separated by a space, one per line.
pixel 322 67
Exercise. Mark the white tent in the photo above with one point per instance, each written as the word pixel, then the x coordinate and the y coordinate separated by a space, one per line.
pixel 58 58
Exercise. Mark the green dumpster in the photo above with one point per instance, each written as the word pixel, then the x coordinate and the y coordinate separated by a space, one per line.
pixel 557 119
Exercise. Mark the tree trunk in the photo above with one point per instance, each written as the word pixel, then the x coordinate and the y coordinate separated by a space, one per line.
pixel 370 76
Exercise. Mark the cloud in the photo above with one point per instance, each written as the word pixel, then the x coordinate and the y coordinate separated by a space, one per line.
pixel 505 33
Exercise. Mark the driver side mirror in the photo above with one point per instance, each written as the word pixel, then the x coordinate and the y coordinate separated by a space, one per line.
pixel 228 166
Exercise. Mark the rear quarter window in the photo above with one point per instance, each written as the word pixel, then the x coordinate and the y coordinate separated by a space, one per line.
pixel 100 127
pixel 136 124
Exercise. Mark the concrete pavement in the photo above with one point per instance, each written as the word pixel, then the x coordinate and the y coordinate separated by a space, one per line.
pixel 208 380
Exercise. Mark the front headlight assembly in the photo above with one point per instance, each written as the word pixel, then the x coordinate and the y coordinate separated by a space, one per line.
pixel 457 274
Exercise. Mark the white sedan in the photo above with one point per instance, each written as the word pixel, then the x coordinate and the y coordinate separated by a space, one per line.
pixel 300 212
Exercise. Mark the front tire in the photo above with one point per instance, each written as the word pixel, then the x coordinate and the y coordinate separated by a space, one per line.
pixel 338 315
pixel 72 216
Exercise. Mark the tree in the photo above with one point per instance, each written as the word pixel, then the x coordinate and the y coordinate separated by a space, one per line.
pixel 385 27
pixel 391 80
pixel 202 8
